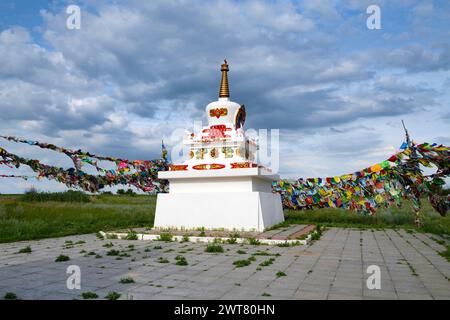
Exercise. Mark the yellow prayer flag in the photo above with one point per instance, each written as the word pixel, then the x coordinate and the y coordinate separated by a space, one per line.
pixel 375 168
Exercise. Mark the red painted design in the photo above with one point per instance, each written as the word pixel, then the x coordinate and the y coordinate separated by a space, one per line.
pixel 219 112
pixel 212 166
pixel 216 131
pixel 243 165
pixel 178 167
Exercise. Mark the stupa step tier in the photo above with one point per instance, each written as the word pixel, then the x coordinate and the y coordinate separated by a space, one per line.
pixel 217 133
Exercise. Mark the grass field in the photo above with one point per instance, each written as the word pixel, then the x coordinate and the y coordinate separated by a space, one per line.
pixel 21 219
pixel 392 217
pixel 24 220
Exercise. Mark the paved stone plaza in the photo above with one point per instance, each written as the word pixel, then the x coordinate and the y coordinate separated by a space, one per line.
pixel 333 267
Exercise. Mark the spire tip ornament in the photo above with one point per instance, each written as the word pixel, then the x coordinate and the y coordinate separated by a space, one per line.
pixel 224 91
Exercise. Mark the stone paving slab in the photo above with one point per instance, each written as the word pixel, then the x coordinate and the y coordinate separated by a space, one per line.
pixel 333 267
pixel 287 232
pixel 283 233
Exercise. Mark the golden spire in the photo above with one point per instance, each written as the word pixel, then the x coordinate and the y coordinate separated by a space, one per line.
pixel 224 91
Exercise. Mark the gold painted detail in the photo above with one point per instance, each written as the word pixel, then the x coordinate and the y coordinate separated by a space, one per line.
pixel 219 112
pixel 228 152
pixel 214 153
pixel 200 153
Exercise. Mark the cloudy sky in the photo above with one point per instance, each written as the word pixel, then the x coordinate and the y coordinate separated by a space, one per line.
pixel 138 70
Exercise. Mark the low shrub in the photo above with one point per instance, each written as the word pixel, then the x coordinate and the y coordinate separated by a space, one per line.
pixel 163 260
pixel 112 295
pixel 10 296
pixel 27 249
pixel 131 235
pixel 62 258
pixel 113 252
pixel 127 280
pixel 280 274
pixel 167 237
pixel 266 263
pixel 181 261
pixel 253 241
pixel 213 248
pixel 241 263
pixel 89 295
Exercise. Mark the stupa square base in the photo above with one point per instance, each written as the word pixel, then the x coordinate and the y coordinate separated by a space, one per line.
pixel 245 211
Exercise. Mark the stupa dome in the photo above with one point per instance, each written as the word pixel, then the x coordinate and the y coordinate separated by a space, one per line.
pixel 224 111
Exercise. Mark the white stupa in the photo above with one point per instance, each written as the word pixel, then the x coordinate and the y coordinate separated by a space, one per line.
pixel 220 185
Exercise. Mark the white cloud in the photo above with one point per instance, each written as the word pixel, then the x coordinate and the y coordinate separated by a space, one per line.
pixel 137 71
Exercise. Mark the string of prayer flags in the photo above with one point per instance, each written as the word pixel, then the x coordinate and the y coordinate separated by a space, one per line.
pixel 142 174
pixel 380 185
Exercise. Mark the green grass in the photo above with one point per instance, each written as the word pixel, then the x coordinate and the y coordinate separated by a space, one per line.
pixel 266 263
pixel 10 296
pixel 131 235
pixel 253 241
pixel 392 217
pixel 264 253
pixel 124 254
pixel 181 261
pixel 284 244
pixel 446 253
pixel 28 220
pixel 167 237
pixel 62 258
pixel 89 295
pixel 59 215
pixel 112 295
pixel 412 269
pixel 213 248
pixel 439 241
pixel 113 252
pixel 25 250
pixel 127 280
pixel 242 263
pixel 163 260
pixel 67 196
